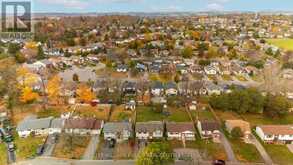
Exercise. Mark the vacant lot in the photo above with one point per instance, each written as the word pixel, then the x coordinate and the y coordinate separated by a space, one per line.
pixel 286 44
pixel 71 146
pixel 27 147
pixel 279 153
pixel 100 111
pixel 120 114
pixel 145 114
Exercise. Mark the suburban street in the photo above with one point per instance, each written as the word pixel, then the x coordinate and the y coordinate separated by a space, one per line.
pixel 91 149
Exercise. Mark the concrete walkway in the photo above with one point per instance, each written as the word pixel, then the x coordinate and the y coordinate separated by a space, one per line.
pixel 90 152
pixel 265 156
pixel 228 149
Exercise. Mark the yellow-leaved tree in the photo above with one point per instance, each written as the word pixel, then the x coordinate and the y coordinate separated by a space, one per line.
pixel 28 95
pixel 84 93
pixel 25 77
pixel 53 89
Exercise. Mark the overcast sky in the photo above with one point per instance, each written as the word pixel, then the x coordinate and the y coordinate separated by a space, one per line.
pixel 159 5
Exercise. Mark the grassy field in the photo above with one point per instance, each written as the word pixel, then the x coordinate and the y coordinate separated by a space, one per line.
pixel 3 154
pixel 27 147
pixel 245 152
pixel 145 114
pixel 72 147
pixel 99 112
pixel 279 153
pixel 286 44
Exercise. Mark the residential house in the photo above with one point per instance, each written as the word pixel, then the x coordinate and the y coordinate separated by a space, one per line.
pixel 131 105
pixel 157 88
pixel 56 126
pixel 208 129
pixel 149 130
pixel 275 133
pixel 129 88
pixel 210 70
pixel 122 68
pixel 171 89
pixel 243 125
pixel 213 89
pixel 180 131
pixel 83 126
pixel 38 127
pixel 118 131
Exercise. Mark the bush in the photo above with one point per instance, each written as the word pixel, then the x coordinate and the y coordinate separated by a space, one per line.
pixel 236 133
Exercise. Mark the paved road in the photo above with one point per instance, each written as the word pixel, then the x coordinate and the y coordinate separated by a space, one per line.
pixel 91 149
pixel 267 159
pixel 228 148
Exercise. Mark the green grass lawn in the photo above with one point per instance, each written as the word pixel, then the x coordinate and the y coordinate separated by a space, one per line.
pixel 205 115
pixel 145 114
pixel 286 44
pixel 207 149
pixel 245 152
pixel 27 147
pixel 258 119
pixel 3 154
pixel 279 153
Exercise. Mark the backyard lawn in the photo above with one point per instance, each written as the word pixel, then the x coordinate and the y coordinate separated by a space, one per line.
pixel 3 154
pixel 145 114
pixel 27 147
pixel 286 44
pixel 120 114
pixel 279 153
pixel 258 119
pixel 71 147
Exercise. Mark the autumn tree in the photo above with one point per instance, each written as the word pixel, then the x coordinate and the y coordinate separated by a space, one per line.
pixel 187 52
pixel 84 93
pixel 53 89
pixel 28 95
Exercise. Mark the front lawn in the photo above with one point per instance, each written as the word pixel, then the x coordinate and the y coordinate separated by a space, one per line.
pixel 207 149
pixel 279 153
pixel 27 147
pixel 71 146
pixel 245 152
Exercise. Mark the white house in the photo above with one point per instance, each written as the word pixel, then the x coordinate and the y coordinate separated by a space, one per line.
pixel 157 88
pixel 83 126
pixel 118 131
pixel 210 70
pixel 275 133
pixel 171 89
pixel 149 130
pixel 38 127
pixel 180 131
pixel 208 129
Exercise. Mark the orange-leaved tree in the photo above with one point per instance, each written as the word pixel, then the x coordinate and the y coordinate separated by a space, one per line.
pixel 84 93
pixel 54 89
pixel 28 95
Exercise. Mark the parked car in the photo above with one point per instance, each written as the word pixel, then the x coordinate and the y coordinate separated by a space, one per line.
pixel 219 162
pixel 40 150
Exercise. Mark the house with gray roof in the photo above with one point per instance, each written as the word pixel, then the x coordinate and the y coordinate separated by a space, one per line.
pixel 118 131
pixel 171 89
pixel 149 130
pixel 56 126
pixel 39 127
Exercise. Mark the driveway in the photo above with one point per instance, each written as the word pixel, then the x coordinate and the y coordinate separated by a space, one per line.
pixel 265 156
pixel 228 148
pixel 90 152
pixel 106 152
pixel 50 145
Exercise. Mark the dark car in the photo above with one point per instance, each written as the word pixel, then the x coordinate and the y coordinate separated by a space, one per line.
pixel 40 150
pixel 112 143
pixel 219 162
